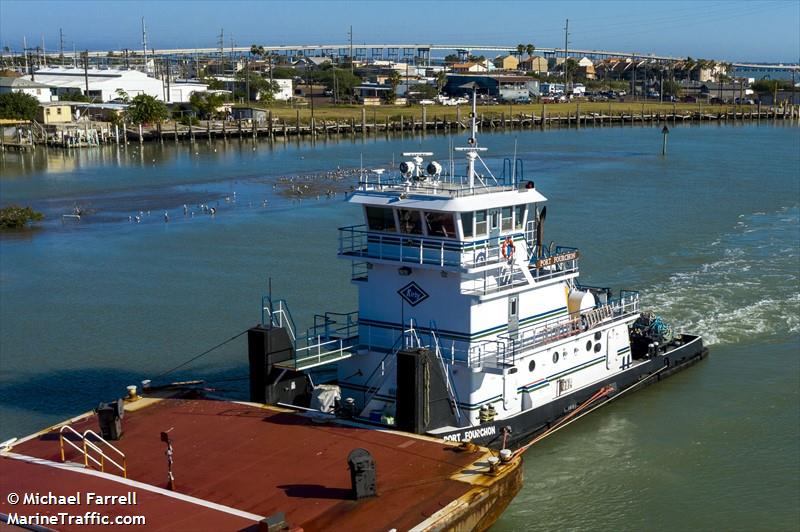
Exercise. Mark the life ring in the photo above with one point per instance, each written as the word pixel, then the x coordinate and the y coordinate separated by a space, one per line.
pixel 508 248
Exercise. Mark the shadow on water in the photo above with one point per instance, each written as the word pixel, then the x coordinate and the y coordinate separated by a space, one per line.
pixel 78 390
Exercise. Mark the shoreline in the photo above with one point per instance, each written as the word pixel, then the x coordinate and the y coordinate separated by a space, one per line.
pixel 333 122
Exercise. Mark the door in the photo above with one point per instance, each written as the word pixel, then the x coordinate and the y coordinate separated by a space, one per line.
pixel 513 316
pixel 494 222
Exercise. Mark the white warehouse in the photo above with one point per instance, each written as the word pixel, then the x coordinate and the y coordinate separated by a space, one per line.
pixel 104 84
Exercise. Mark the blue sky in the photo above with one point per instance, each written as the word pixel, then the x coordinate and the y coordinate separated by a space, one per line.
pixel 734 30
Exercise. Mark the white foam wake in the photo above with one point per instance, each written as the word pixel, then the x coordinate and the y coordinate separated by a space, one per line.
pixel 747 287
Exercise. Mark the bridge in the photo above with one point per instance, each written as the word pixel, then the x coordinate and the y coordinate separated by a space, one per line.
pixel 420 52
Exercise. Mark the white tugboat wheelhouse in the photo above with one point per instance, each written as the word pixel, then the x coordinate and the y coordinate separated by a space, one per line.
pixel 468 324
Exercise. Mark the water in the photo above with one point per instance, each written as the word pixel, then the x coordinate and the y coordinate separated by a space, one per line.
pixel 710 235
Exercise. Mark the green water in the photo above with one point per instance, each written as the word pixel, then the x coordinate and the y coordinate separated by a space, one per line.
pixel 710 235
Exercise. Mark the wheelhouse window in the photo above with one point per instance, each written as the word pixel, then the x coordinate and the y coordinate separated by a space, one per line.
pixel 519 216
pixel 466 224
pixel 481 225
pixel 506 219
pixel 410 221
pixel 440 224
pixel 380 219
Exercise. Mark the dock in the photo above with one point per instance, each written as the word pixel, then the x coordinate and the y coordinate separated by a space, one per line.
pixel 246 466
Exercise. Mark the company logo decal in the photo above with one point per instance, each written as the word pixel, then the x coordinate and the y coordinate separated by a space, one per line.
pixel 413 294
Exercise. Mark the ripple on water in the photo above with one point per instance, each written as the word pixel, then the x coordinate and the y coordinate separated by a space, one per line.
pixel 746 286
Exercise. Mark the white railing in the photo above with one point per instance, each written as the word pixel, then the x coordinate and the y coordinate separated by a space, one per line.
pixel 87 444
pixel 278 317
pixel 318 353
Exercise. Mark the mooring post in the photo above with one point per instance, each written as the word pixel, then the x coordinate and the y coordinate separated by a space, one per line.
pixel 141 134
pixel 664 132
pixel 363 120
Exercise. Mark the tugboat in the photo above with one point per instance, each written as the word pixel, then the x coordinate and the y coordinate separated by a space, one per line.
pixel 469 327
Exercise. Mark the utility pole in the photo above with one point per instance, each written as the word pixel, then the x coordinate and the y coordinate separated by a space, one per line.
pixel 44 53
pixel 221 43
pixel 25 52
pixel 566 52
pixel 86 70
pixel 144 44
pixel 350 33
pixel 61 45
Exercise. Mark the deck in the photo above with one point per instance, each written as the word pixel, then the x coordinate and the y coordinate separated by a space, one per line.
pixel 238 463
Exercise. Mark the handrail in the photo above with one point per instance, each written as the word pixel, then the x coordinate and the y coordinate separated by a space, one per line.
pixel 451 391
pixel 123 467
pixel 87 444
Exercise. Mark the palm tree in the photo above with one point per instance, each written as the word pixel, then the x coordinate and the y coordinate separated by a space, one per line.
pixel 441 81
pixel 520 50
pixel 529 49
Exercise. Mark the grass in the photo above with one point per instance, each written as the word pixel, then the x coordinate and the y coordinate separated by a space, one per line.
pixel 345 113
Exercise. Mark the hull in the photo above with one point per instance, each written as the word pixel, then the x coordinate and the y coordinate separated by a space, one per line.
pixel 530 423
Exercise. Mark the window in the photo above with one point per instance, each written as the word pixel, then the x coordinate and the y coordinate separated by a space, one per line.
pixel 440 224
pixel 506 223
pixel 47 110
pixel 519 216
pixel 512 309
pixel 589 345
pixel 380 219
pixel 466 224
pixel 555 357
pixel 531 365
pixel 58 110
pixel 597 347
pixel 598 335
pixel 481 227
pixel 495 219
pixel 410 221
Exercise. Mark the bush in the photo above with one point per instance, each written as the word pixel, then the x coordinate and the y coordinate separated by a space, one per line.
pixel 18 106
pixel 14 216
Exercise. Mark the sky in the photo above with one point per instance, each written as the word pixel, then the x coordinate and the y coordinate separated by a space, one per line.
pixel 732 30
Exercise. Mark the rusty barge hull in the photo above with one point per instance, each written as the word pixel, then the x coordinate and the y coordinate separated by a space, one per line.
pixel 240 466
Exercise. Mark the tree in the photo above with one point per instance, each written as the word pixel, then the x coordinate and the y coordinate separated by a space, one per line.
pixel 452 58
pixel 14 216
pixel 422 91
pixel 206 103
pixel 570 66
pixel 441 81
pixel 529 49
pixel 18 106
pixel 263 88
pixel 672 88
pixel 520 50
pixel 394 81
pixel 257 50
pixel 145 109
pixel 122 95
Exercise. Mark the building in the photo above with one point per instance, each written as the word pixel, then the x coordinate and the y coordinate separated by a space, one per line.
pixel 181 90
pixel 506 62
pixel 586 69
pixel 54 113
pixel 38 90
pixel 465 68
pixel 503 87
pixel 102 85
pixel 249 113
pixel 536 64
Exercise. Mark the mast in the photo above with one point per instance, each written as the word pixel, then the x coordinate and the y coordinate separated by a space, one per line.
pixel 473 139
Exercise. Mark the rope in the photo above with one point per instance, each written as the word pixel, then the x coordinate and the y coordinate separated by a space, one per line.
pixel 207 351
pixel 572 416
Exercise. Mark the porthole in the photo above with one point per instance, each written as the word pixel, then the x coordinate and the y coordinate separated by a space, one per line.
pixel 531 365
pixel 564 355
pixel 555 357
pixel 597 347
pixel 598 335
pixel 589 345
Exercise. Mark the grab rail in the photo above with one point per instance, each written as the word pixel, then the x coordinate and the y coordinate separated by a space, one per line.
pixel 87 444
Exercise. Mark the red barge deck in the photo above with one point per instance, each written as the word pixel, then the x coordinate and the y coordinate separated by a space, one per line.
pixel 246 466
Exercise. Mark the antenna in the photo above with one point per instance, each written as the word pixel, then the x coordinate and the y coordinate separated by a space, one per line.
pixel 144 44
pixel 566 51
pixel 350 34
